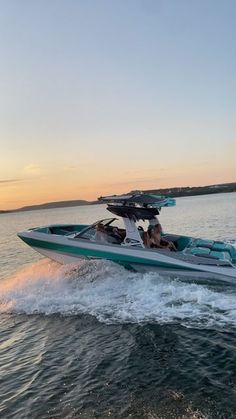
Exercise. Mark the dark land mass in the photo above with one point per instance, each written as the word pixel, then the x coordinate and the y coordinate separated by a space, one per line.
pixel 196 190
pixel 49 205
pixel 172 192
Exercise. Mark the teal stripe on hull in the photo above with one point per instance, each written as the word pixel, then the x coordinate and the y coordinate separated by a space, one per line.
pixel 73 250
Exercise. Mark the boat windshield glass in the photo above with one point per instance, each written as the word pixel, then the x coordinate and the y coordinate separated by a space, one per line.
pixel 89 233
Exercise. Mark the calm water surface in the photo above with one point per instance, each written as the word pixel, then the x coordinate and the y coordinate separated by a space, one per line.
pixel 97 341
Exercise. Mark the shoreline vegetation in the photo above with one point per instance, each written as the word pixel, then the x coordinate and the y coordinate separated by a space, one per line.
pixel 171 192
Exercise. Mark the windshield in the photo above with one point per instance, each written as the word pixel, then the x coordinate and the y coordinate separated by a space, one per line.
pixel 90 232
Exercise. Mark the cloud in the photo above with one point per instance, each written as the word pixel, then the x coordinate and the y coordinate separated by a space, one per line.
pixel 69 168
pixel 4 181
pixel 32 169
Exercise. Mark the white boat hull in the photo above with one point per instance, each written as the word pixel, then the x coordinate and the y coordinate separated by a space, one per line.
pixel 64 250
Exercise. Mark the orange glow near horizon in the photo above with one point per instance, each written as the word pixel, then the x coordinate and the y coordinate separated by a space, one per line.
pixel 43 189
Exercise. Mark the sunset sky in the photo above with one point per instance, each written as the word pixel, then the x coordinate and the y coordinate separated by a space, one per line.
pixel 105 96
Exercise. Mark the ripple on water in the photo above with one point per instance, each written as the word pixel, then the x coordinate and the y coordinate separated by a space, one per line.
pixel 106 342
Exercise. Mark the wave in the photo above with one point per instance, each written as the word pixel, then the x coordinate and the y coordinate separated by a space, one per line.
pixel 114 295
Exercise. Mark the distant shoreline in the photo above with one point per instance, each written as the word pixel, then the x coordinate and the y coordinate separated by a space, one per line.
pixel 176 192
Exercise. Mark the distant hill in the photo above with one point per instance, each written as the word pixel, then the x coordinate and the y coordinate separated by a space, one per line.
pixel 172 192
pixel 49 205
pixel 195 190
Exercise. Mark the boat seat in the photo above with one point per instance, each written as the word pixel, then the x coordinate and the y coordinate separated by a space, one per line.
pixel 200 251
pixel 220 255
pixel 223 247
pixel 204 243
pixel 183 242
pixel 208 253
pixel 220 246
pixel 60 231
pixel 217 249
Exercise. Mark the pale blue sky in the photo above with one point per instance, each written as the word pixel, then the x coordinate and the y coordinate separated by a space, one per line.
pixel 126 93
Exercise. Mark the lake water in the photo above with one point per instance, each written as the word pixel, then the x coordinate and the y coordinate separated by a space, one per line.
pixel 97 341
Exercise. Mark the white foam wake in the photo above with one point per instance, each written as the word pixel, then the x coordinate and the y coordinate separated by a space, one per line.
pixel 113 294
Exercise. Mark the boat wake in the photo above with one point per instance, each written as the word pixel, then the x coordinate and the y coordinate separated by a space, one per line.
pixel 114 295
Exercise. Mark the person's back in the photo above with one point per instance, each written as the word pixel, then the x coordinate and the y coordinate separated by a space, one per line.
pixel 146 239
pixel 151 238
pixel 153 222
pixel 101 234
pixel 160 241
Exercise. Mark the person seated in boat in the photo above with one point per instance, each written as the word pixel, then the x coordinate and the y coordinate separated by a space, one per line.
pixel 153 222
pixel 101 234
pixel 119 235
pixel 155 239
pixel 146 239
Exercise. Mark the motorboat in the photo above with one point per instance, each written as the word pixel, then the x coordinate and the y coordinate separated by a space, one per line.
pixel 123 241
